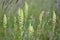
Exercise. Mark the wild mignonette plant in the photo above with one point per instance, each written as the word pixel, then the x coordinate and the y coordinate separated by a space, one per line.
pixel 5 24
pixel 35 21
pixel 54 21
pixel 5 21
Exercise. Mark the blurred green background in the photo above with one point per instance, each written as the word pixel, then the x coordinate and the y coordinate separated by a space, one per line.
pixel 29 19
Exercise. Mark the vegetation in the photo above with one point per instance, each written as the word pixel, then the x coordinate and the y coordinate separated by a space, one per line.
pixel 31 20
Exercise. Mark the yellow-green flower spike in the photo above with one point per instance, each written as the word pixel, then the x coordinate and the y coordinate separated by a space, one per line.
pixel 54 20
pixel 5 21
pixel 20 21
pixel 31 30
pixel 41 15
pixel 20 17
pixel 54 17
pixel 26 9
